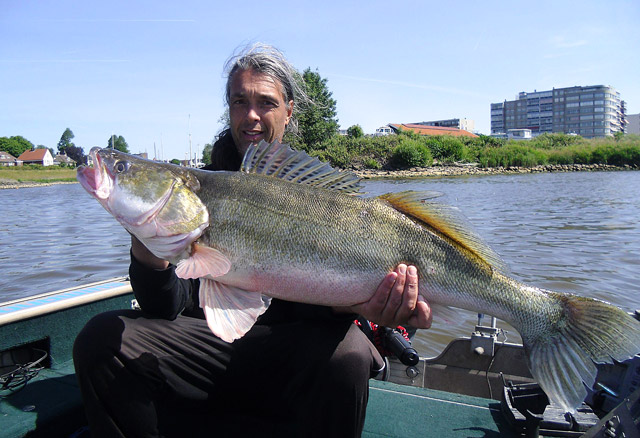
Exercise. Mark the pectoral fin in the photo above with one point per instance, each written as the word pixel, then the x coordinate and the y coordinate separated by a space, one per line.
pixel 230 312
pixel 204 261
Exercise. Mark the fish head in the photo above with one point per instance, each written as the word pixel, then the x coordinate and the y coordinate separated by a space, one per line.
pixel 156 202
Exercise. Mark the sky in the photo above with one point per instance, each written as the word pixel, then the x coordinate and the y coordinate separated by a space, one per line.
pixel 152 71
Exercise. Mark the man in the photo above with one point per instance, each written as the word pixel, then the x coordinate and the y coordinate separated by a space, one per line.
pixel 302 370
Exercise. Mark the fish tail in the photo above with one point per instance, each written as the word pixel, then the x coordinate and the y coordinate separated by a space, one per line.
pixel 585 331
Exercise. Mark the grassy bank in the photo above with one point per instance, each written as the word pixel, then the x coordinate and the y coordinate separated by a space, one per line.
pixel 409 150
pixel 37 174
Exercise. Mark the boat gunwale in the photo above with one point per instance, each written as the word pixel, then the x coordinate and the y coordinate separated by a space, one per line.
pixel 49 302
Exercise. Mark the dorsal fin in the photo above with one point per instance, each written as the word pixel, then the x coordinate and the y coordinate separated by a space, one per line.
pixel 280 161
pixel 446 221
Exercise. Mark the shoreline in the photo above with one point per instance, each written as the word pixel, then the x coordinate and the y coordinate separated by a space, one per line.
pixel 473 170
pixel 13 184
pixel 414 172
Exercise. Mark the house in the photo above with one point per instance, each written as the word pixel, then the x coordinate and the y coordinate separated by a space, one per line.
pixel 519 134
pixel 431 130
pixel 38 156
pixel 384 130
pixel 64 159
pixel 6 159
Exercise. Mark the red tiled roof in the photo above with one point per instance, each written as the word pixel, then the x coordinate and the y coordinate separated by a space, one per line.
pixel 432 130
pixel 37 155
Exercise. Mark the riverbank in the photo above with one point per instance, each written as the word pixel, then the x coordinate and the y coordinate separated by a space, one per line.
pixel 6 183
pixel 471 169
pixel 414 172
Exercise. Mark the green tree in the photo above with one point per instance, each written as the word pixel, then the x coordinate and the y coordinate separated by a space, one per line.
pixel 65 140
pixel 355 131
pixel 76 153
pixel 119 143
pixel 206 153
pixel 15 145
pixel 317 118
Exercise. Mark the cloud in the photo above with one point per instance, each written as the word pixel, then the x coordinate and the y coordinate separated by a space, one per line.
pixel 436 88
pixel 59 61
pixel 560 42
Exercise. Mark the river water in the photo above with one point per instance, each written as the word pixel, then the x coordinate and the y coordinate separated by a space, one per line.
pixel 572 232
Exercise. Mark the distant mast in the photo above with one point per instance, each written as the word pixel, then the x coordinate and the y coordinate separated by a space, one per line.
pixel 190 155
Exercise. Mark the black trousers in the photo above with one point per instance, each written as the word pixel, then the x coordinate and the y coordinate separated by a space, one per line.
pixel 145 377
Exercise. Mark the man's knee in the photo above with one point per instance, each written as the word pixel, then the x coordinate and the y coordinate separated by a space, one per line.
pixel 101 335
pixel 355 359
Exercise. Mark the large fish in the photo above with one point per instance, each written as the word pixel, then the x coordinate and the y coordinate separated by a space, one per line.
pixel 290 227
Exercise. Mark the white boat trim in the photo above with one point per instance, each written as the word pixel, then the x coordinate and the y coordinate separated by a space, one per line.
pixel 37 305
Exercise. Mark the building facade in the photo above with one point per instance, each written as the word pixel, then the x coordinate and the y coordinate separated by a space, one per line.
pixel 591 111
pixel 633 126
pixel 465 124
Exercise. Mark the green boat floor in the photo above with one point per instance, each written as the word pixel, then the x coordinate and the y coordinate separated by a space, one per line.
pixel 404 411
pixel 48 406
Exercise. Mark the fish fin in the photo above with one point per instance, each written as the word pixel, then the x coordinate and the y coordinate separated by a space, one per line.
pixel 449 315
pixel 446 221
pixel 204 261
pixel 230 312
pixel 280 161
pixel 562 357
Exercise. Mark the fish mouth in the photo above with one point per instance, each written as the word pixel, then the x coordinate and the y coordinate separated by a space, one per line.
pixel 95 180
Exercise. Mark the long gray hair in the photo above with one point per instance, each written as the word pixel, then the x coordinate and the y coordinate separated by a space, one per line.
pixel 266 59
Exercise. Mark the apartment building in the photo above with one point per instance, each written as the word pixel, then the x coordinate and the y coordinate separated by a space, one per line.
pixel 591 111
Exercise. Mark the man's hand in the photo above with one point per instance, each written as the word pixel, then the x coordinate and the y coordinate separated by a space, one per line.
pixel 397 301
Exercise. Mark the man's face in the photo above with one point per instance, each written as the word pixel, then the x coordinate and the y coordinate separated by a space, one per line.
pixel 257 109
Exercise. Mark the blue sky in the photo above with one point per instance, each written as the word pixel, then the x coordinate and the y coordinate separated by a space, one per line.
pixel 152 71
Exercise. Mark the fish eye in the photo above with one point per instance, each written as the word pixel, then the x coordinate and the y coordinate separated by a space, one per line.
pixel 121 166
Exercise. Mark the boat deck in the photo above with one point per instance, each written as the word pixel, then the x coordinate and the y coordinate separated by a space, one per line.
pixel 403 411
pixel 50 405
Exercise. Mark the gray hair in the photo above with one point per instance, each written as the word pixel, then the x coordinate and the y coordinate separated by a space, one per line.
pixel 266 59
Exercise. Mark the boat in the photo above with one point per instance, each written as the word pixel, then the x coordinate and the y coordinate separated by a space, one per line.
pixel 478 386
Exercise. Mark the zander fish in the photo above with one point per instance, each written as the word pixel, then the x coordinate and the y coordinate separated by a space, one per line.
pixel 289 226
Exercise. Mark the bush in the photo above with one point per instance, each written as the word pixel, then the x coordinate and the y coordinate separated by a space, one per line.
pixel 411 153
pixel 370 163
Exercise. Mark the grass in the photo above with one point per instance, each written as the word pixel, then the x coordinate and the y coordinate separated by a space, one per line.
pixel 37 174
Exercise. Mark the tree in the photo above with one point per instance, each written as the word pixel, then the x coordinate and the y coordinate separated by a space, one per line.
pixel 316 119
pixel 355 131
pixel 206 153
pixel 15 145
pixel 76 153
pixel 65 140
pixel 118 143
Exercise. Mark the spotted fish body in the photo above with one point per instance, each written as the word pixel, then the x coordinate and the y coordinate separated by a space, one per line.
pixel 290 227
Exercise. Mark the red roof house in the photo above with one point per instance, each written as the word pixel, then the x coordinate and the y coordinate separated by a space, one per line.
pixel 38 156
pixel 431 130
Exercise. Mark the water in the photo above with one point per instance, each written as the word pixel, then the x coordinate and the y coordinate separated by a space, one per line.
pixel 572 232
pixel 568 232
pixel 56 237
